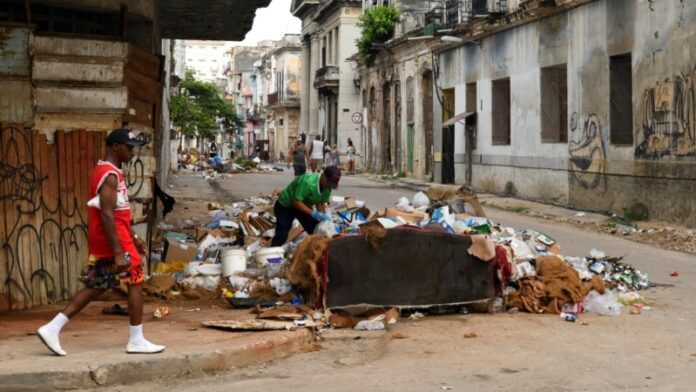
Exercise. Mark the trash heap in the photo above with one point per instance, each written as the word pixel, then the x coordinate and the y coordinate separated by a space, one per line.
pixel 212 167
pixel 231 255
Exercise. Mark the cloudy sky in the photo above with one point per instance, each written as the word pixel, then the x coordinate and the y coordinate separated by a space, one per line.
pixel 273 22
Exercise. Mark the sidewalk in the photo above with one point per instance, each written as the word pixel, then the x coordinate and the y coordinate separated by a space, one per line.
pixel 96 347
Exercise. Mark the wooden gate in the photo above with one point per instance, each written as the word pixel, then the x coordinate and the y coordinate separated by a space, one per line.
pixel 43 213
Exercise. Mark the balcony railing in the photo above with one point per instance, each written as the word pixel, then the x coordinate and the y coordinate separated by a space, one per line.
pixel 327 76
pixel 464 11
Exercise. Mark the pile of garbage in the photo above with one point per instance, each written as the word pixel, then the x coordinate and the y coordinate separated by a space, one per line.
pixel 215 166
pixel 230 256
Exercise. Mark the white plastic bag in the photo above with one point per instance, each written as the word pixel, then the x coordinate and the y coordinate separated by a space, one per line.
pixel 325 229
pixel 420 200
pixel 403 205
pixel 606 304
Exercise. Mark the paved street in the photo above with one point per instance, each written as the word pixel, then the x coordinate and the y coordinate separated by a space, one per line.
pixel 655 350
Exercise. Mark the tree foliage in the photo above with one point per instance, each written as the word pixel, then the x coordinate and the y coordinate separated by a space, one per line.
pixel 199 108
pixel 377 26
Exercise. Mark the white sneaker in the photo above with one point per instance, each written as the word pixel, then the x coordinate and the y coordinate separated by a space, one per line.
pixel 50 340
pixel 147 348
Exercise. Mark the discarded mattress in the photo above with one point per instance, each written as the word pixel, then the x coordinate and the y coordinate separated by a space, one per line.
pixel 407 268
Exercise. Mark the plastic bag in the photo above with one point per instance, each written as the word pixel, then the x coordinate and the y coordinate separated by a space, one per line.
pixel 420 200
pixel 403 205
pixel 606 304
pixel 325 229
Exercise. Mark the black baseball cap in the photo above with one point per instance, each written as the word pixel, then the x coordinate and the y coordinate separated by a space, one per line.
pixel 333 176
pixel 123 136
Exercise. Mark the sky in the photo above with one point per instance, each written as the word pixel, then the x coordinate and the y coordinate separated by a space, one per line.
pixel 272 23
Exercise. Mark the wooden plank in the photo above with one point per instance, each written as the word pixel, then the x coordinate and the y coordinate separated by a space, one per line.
pixel 84 167
pixel 50 230
pixel 23 219
pixel 80 70
pixel 5 260
pixel 72 121
pixel 81 99
pixel 143 62
pixel 15 101
pixel 140 112
pixel 142 87
pixel 80 47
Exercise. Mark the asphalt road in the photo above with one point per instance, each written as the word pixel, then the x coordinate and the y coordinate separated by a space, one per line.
pixel 655 350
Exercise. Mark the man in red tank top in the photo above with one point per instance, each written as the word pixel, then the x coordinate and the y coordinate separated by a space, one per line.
pixel 114 249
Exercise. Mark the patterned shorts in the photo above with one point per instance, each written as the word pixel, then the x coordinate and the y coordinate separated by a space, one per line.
pixel 101 274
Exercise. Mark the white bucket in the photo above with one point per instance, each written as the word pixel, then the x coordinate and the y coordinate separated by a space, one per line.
pixel 273 255
pixel 233 260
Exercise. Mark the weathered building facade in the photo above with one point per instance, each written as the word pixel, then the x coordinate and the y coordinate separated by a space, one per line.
pixel 283 75
pixel 330 97
pixel 583 103
pixel 69 72
pixel 397 94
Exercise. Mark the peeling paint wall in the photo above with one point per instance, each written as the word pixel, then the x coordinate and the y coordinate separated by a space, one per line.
pixel 589 171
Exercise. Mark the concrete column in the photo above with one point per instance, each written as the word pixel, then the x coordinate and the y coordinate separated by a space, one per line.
pixel 306 86
pixel 313 93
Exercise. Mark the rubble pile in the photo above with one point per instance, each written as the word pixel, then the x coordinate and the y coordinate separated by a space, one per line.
pixel 230 255
pixel 217 166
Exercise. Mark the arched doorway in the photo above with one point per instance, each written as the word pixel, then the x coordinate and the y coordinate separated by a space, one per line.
pixel 397 125
pixel 372 131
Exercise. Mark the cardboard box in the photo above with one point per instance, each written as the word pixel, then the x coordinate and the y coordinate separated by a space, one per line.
pixel 351 203
pixel 175 250
pixel 409 216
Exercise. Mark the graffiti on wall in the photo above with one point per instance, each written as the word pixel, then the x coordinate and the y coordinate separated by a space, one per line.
pixel 586 151
pixel 44 238
pixel 134 171
pixel 669 119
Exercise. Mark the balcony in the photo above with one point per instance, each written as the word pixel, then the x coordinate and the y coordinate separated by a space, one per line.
pixel 327 78
pixel 464 11
pixel 272 99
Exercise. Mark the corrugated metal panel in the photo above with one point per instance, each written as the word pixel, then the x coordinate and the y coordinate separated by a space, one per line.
pixel 14 51
pixel 73 69
pixel 80 47
pixel 72 99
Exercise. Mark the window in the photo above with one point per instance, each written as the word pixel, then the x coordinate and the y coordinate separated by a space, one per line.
pixel 501 112
pixel 554 104
pixel 471 97
pixel 621 96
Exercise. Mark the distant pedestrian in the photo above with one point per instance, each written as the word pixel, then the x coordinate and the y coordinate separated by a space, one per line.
pixel 114 251
pixel 213 149
pixel 334 156
pixel 351 156
pixel 316 154
pixel 299 158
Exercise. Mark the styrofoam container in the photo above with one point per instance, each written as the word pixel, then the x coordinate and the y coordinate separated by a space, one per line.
pixel 273 255
pixel 232 260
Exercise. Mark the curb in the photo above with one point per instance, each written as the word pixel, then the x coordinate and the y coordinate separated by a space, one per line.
pixel 150 369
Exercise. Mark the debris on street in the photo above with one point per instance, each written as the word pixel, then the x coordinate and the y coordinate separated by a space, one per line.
pixel 229 258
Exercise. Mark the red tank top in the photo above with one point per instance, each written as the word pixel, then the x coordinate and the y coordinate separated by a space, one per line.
pixel 96 238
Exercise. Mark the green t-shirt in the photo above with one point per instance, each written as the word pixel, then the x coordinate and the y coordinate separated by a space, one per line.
pixel 304 188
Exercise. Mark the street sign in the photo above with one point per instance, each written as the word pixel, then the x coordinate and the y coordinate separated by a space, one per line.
pixel 356 117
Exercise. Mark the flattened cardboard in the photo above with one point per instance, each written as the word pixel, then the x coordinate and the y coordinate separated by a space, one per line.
pixel 176 251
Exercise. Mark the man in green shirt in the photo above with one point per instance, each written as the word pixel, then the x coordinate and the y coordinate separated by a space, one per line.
pixel 304 199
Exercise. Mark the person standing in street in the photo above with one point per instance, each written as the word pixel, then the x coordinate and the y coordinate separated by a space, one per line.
pixel 114 251
pixel 351 156
pixel 305 199
pixel 335 156
pixel 316 153
pixel 299 157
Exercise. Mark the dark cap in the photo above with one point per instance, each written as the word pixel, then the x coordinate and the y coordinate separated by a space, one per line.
pixel 333 176
pixel 123 136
